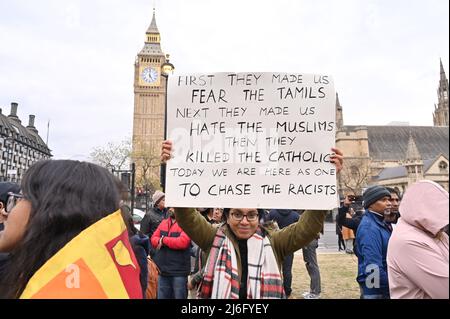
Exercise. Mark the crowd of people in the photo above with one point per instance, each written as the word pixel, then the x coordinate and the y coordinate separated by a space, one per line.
pixel 68 220
pixel 401 243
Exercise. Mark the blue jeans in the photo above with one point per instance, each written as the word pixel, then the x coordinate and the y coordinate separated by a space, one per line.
pixel 172 287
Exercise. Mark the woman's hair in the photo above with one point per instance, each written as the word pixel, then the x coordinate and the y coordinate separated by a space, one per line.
pixel 394 190
pixel 66 197
pixel 128 219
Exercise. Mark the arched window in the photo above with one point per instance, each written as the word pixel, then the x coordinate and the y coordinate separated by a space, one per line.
pixel 443 167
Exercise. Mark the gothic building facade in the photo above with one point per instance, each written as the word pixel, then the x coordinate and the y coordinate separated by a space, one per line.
pixel 20 146
pixel 395 156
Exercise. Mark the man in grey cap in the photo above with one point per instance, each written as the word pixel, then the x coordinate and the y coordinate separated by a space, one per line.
pixel 155 215
pixel 372 240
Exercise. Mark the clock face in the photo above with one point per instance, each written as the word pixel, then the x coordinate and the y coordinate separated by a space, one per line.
pixel 149 75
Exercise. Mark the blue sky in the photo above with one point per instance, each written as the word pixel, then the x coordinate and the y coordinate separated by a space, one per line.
pixel 71 62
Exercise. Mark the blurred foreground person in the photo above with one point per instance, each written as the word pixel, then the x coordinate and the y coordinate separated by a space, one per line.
pixel 67 237
pixel 7 189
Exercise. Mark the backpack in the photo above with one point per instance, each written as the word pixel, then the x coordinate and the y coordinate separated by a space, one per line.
pixel 152 281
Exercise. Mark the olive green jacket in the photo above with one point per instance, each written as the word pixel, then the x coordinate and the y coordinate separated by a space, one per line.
pixel 284 242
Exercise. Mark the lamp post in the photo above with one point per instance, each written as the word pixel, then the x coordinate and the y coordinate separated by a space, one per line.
pixel 131 188
pixel 166 69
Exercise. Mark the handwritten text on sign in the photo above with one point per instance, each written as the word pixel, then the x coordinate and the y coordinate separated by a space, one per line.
pixel 251 140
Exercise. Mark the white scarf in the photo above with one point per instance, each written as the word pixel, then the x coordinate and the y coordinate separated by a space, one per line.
pixel 264 278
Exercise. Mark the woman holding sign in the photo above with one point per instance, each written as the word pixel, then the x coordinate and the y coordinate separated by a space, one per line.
pixel 252 254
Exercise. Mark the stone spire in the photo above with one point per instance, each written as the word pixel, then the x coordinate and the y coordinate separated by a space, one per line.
pixel 339 114
pixel 153 28
pixel 443 76
pixel 152 45
pixel 440 114
pixel 413 162
pixel 412 152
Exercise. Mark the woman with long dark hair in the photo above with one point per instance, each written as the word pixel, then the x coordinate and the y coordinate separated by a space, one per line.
pixel 60 199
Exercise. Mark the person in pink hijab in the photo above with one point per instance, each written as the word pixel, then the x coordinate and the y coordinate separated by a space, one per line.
pixel 418 249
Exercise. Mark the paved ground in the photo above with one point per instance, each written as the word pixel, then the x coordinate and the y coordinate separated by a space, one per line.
pixel 328 242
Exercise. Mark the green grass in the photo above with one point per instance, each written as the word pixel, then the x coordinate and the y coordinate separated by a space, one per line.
pixel 338 272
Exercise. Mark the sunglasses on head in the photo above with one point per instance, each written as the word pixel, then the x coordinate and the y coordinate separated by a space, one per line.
pixel 12 201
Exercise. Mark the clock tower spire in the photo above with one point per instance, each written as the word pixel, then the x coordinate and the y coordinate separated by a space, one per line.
pixel 149 108
pixel 152 34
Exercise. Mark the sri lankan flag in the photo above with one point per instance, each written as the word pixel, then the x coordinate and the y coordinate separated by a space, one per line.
pixel 99 263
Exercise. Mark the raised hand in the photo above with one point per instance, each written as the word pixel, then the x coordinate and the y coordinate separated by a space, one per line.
pixel 337 158
pixel 166 151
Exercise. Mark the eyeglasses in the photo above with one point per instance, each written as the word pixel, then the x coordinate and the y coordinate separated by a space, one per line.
pixel 12 201
pixel 251 217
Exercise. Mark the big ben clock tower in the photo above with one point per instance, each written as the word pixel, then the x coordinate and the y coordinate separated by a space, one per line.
pixel 149 102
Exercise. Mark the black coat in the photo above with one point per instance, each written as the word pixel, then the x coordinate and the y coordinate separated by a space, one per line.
pixel 151 221
pixel 284 217
pixel 351 223
pixel 141 249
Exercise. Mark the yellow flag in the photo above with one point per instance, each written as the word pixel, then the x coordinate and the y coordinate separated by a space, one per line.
pixel 99 263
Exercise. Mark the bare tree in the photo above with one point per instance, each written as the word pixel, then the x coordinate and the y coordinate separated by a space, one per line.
pixel 147 167
pixel 113 155
pixel 355 174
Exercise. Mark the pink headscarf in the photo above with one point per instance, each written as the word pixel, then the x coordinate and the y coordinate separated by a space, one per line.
pixel 425 205
pixel 418 259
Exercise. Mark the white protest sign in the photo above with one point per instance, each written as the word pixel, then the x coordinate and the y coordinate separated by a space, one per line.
pixel 251 140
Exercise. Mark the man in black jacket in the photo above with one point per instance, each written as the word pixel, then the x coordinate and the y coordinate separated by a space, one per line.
pixel 353 222
pixel 155 215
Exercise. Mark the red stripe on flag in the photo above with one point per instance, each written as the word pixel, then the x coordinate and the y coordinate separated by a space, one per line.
pixel 128 273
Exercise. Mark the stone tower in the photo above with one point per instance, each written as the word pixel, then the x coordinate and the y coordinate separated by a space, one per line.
pixel 149 106
pixel 440 114
pixel 339 115
pixel 413 162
